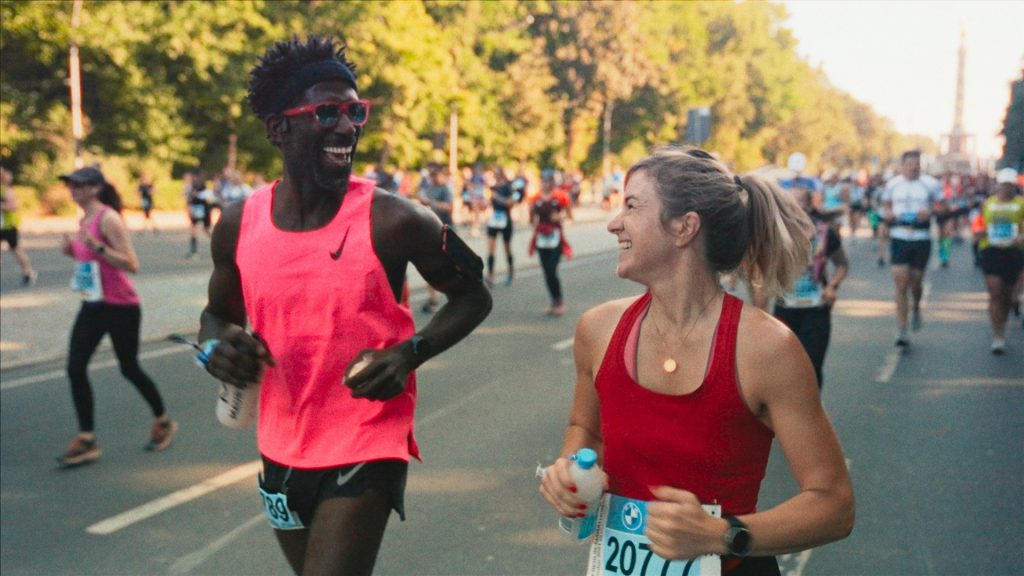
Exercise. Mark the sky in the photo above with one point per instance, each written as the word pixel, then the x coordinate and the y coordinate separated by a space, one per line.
pixel 901 58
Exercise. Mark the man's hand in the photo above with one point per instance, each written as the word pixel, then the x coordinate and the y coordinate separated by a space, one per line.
pixel 380 374
pixel 239 359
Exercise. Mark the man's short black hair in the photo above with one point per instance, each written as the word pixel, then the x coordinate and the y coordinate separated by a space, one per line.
pixel 910 154
pixel 281 62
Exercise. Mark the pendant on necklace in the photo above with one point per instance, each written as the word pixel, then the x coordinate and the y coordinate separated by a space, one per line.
pixel 669 365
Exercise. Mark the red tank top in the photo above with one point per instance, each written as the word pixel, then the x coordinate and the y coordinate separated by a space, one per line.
pixel 318 298
pixel 706 442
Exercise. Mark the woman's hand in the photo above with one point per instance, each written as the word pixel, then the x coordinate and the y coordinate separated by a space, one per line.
pixel 558 488
pixel 680 528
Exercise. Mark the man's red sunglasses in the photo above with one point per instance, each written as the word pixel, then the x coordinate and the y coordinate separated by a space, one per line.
pixel 329 113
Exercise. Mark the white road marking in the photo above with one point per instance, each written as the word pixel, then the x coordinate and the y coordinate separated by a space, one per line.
pixel 189 562
pixel 563 344
pixel 154 507
pixel 236 474
pixel 801 563
pixel 112 362
pixel 892 359
pixel 888 368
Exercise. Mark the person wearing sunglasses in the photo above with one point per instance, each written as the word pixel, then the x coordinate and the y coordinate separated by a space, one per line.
pixel 305 301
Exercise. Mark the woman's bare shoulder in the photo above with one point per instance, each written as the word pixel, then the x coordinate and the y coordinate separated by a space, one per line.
pixel 602 319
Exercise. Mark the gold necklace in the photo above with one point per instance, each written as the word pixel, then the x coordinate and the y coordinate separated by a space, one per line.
pixel 670 365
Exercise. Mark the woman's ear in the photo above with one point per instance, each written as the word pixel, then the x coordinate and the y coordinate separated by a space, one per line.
pixel 685 228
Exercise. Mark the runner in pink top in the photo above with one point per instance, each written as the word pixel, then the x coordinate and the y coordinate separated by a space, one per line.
pixel 304 301
pixel 104 256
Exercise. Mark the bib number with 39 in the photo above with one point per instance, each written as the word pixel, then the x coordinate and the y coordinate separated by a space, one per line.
pixel 280 516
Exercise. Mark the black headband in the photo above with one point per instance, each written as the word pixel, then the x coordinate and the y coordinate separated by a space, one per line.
pixel 309 75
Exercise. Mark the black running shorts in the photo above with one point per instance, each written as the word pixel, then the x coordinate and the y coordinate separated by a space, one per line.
pixel 913 253
pixel 306 489
pixel 1006 263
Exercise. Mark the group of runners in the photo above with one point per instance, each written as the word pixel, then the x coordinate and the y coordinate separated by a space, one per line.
pixel 335 360
pixel 910 212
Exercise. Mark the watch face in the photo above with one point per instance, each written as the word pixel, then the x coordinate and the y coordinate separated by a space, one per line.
pixel 739 541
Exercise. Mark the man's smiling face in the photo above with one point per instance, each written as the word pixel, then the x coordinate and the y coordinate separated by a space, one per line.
pixel 326 152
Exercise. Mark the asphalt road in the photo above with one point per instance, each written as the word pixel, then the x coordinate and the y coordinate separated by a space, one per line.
pixel 932 438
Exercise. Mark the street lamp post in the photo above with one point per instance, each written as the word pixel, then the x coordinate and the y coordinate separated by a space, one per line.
pixel 75 81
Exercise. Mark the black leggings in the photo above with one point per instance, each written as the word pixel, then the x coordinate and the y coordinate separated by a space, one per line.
pixel 813 326
pixel 549 258
pixel 122 323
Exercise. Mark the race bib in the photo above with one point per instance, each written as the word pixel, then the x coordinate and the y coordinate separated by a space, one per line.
pixel 907 218
pixel 1002 233
pixel 86 280
pixel 553 240
pixel 281 517
pixel 499 220
pixel 198 211
pixel 806 294
pixel 620 547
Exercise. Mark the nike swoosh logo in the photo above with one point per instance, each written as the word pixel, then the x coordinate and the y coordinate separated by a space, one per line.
pixel 337 253
pixel 344 478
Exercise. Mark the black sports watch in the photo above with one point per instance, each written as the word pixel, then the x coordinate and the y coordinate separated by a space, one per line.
pixel 738 540
pixel 421 348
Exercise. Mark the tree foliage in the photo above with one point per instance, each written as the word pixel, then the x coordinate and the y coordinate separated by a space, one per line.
pixel 1013 128
pixel 164 83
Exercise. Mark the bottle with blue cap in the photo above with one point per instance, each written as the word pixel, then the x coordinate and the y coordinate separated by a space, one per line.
pixel 589 480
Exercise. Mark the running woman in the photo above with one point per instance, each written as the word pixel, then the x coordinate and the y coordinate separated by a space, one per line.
pixel 546 214
pixel 682 390
pixel 807 309
pixel 1001 243
pixel 335 357
pixel 910 200
pixel 103 253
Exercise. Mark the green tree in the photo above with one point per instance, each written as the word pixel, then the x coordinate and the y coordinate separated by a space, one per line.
pixel 1013 128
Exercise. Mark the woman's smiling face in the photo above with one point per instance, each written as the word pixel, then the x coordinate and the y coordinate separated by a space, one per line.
pixel 644 244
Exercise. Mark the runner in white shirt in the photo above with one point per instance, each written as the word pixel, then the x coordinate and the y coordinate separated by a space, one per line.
pixel 910 200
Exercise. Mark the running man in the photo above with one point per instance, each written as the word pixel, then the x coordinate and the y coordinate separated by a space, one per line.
pixel 910 200
pixel 9 220
pixel 504 195
pixel 1001 245
pixel 334 356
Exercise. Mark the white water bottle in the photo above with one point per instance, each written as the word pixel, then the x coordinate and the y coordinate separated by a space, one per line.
pixel 236 407
pixel 589 480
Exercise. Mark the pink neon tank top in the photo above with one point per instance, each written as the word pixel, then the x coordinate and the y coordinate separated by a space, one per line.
pixel 706 442
pixel 318 298
pixel 117 287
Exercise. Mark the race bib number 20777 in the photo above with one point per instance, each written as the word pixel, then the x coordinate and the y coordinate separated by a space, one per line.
pixel 620 547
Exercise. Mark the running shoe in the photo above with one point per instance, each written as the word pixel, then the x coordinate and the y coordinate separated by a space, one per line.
pixel 557 310
pixel 80 451
pixel 915 320
pixel 508 280
pixel 160 436
pixel 998 346
pixel 29 279
pixel 902 341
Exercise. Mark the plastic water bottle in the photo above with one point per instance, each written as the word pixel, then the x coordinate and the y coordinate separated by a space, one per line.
pixel 589 480
pixel 236 407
